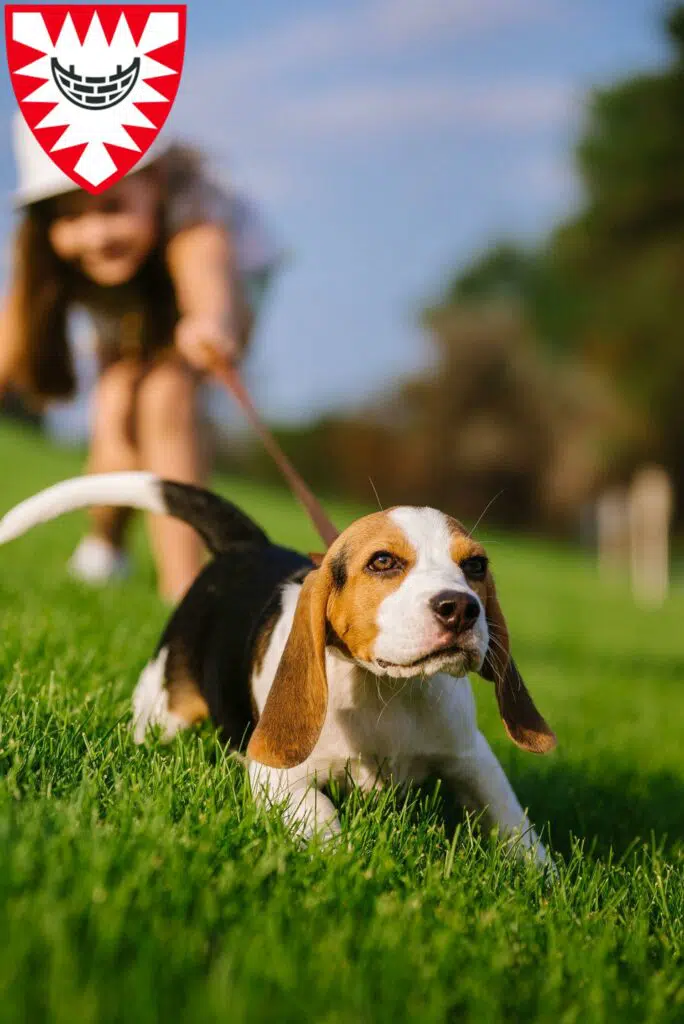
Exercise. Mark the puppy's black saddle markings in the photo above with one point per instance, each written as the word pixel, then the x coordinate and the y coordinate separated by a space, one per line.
pixel 214 637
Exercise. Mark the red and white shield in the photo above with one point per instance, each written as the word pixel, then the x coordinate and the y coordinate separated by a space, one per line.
pixel 95 82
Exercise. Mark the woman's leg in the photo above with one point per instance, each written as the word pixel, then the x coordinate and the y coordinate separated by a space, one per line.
pixel 99 557
pixel 169 444
pixel 112 446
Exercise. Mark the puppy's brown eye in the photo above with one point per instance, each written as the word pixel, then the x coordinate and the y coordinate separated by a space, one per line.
pixel 475 568
pixel 383 561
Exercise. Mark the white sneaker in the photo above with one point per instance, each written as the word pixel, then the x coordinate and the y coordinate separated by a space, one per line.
pixel 97 562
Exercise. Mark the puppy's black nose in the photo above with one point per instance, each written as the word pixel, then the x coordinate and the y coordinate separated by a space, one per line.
pixel 455 610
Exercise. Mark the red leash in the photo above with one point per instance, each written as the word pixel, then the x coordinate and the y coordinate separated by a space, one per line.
pixel 229 376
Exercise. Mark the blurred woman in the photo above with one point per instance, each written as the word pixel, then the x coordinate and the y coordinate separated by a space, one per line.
pixel 170 267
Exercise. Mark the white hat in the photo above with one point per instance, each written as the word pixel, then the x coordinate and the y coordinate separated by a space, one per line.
pixel 37 176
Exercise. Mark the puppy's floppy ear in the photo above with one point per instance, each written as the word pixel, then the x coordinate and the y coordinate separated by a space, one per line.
pixel 295 708
pixel 523 723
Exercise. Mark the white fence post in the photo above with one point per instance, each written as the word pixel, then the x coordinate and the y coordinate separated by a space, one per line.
pixel 650 514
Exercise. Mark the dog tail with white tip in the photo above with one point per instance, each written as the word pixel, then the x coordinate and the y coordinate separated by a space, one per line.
pixel 218 522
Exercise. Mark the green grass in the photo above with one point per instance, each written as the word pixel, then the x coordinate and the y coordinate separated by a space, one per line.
pixel 142 885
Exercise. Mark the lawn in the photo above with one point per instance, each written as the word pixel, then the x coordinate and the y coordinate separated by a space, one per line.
pixel 141 884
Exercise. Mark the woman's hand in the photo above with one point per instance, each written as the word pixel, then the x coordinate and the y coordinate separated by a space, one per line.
pixel 202 269
pixel 199 339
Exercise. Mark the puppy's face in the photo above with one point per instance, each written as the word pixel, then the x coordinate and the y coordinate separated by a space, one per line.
pixel 402 593
pixel 408 592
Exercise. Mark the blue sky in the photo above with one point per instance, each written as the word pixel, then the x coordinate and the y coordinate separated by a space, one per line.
pixel 388 141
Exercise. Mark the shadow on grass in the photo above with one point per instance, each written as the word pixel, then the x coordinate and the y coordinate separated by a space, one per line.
pixel 606 812
pixel 606 808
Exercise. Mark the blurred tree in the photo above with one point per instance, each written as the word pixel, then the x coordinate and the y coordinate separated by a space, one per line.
pixel 498 420
pixel 607 288
pixel 494 422
pixel 625 250
pixel 555 368
pixel 529 279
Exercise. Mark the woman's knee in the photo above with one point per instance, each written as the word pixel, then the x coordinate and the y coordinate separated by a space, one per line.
pixel 166 399
pixel 113 400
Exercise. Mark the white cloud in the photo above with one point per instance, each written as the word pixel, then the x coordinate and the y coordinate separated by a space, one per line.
pixel 396 24
pixel 267 123
pixel 332 80
pixel 367 28
pixel 420 104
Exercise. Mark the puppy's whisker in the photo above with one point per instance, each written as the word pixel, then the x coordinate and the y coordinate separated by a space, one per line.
pixel 495 639
pixel 485 511
pixel 499 658
pixel 499 645
pixel 377 496
pixel 394 696
pixel 498 655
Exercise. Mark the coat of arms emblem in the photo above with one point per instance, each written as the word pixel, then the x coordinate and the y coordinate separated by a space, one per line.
pixel 95 83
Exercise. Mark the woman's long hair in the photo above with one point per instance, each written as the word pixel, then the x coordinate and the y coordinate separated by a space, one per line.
pixel 42 286
pixel 46 287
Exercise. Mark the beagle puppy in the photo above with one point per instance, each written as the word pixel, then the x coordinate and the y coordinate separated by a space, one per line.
pixel 350 666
